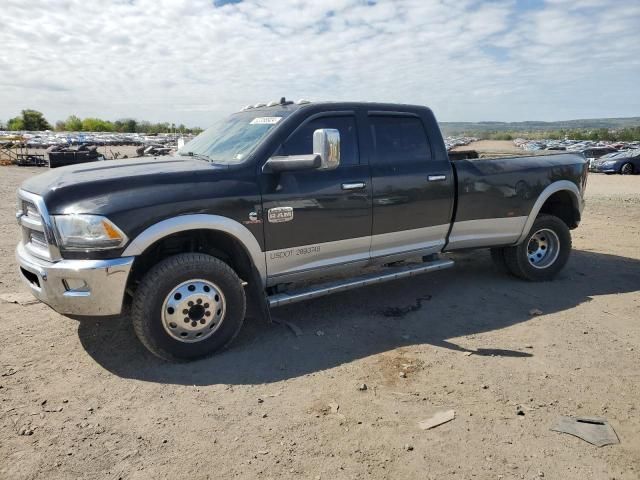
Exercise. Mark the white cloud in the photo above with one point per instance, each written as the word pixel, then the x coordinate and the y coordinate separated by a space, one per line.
pixel 190 61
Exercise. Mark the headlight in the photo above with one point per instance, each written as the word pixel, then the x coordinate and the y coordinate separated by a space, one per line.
pixel 88 232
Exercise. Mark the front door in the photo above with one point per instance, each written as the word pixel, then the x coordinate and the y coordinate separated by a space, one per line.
pixel 315 219
pixel 412 191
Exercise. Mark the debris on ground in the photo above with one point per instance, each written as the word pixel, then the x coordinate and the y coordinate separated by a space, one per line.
pixel 26 431
pixel 408 447
pixel 402 375
pixel 535 312
pixel 437 419
pixel 333 407
pixel 402 311
pixel 22 299
pixel 297 331
pixel 596 431
pixel 362 387
pixel 320 333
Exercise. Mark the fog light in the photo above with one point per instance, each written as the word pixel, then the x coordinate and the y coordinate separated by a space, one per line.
pixel 75 284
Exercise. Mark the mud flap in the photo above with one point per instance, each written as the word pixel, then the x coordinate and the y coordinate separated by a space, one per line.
pixel 257 297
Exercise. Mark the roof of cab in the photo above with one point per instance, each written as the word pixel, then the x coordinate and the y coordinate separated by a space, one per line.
pixel 283 103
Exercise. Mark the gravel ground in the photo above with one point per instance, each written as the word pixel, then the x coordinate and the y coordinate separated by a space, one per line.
pixel 85 400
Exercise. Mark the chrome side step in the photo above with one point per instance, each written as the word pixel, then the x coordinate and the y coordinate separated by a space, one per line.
pixel 321 290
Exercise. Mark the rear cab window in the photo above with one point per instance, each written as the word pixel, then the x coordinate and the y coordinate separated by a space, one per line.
pixel 398 139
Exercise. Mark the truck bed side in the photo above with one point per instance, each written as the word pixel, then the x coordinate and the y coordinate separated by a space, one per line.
pixel 496 197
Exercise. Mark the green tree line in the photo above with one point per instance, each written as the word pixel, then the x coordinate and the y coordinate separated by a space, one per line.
pixel 629 134
pixel 32 120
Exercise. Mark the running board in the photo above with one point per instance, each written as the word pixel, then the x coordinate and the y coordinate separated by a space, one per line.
pixel 285 298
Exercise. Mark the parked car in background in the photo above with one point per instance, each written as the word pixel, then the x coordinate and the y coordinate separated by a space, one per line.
pixel 625 163
pixel 593 153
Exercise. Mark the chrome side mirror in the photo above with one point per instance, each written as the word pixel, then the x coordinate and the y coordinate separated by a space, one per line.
pixel 326 143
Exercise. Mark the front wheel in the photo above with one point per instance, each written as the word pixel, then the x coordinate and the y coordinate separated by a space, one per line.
pixel 188 306
pixel 543 253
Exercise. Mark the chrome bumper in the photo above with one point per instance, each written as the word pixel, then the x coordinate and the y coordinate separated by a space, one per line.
pixel 76 287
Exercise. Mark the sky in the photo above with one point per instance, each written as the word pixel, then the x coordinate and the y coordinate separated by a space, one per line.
pixel 193 61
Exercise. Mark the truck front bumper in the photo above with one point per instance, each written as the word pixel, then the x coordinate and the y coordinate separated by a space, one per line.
pixel 76 287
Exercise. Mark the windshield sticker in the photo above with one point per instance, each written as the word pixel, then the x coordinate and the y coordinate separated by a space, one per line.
pixel 265 120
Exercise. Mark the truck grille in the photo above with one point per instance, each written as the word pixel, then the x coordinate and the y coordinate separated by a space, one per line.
pixel 37 234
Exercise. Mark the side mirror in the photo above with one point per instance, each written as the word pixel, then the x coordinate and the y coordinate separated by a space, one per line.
pixel 326 143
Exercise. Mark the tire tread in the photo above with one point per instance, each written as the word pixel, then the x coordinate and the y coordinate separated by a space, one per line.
pixel 517 262
pixel 147 290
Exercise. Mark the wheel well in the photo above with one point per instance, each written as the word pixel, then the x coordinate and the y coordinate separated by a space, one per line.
pixel 212 242
pixel 561 204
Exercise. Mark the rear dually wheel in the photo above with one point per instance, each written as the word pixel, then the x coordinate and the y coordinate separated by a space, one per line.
pixel 543 253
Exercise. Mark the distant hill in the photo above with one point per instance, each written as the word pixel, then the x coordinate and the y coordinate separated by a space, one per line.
pixel 453 128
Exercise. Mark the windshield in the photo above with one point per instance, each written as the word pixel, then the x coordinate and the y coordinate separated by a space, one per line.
pixel 233 139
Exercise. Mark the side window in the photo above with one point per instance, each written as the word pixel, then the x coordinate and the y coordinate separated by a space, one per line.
pixel 301 142
pixel 399 139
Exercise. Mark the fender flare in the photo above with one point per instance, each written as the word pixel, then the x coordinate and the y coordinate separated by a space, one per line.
pixel 555 187
pixel 185 223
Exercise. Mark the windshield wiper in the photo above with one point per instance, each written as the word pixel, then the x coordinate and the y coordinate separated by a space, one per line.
pixel 199 156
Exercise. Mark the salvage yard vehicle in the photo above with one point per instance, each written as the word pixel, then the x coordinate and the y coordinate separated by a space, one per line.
pixel 277 196
pixel 594 153
pixel 626 163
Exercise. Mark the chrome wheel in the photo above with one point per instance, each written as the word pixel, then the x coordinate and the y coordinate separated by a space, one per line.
pixel 193 311
pixel 627 169
pixel 543 248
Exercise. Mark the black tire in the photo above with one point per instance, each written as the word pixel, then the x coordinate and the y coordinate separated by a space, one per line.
pixel 161 280
pixel 518 258
pixel 626 169
pixel 497 255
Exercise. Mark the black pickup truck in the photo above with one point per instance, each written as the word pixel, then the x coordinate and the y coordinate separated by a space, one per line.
pixel 255 210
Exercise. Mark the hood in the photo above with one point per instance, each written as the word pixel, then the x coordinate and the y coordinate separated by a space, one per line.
pixel 122 171
pixel 116 185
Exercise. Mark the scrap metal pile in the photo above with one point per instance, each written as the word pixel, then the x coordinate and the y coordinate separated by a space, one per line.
pixel 60 156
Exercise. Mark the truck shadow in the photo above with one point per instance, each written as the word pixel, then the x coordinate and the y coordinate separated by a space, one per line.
pixel 469 299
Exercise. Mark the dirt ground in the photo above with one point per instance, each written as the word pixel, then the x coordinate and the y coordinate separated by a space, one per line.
pixel 85 400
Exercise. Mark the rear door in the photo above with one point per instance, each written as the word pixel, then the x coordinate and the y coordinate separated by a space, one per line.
pixel 413 190
pixel 315 219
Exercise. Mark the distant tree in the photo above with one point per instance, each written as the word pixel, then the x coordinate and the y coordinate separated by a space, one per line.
pixel 15 124
pixel 73 124
pixel 130 125
pixel 34 120
pixel 96 125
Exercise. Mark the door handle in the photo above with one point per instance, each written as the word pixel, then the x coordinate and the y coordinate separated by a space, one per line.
pixel 437 178
pixel 353 186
